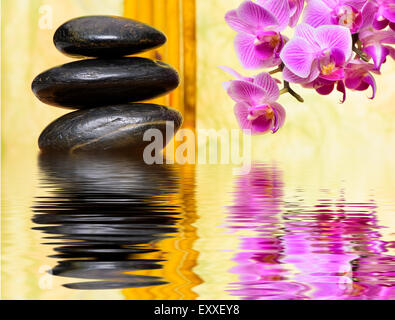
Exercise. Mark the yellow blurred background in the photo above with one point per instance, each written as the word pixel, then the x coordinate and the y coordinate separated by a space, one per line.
pixel 323 144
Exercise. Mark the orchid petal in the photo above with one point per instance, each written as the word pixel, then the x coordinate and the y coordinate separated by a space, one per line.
pixel 317 13
pixel 232 72
pixel 362 86
pixel 226 85
pixel 355 26
pixel 359 78
pixel 338 57
pixel 267 83
pixel 334 75
pixel 307 32
pixel 365 34
pixel 235 74
pixel 298 56
pixel 330 3
pixel 279 112
pixel 389 12
pixel 237 24
pixel 387 36
pixel 357 4
pixel 264 50
pixel 292 7
pixel 325 89
pixel 262 124
pixel 279 9
pixel 272 62
pixel 359 65
pixel 370 38
pixel 243 91
pixel 245 49
pixel 369 79
pixel 256 15
pixel 378 54
pixel 368 13
pixel 379 24
pixel 341 88
pixel 352 82
pixel 353 79
pixel 241 112
pixel 335 37
pixel 299 4
pixel 289 76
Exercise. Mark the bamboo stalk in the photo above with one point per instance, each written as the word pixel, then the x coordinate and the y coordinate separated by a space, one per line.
pixel 176 18
pixel 189 64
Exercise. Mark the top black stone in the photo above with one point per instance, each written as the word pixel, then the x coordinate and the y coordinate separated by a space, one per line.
pixel 106 36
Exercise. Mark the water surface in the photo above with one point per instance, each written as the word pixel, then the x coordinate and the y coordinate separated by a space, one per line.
pixel 115 228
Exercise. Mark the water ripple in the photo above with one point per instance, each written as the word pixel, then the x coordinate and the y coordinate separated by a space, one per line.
pixel 330 249
pixel 103 216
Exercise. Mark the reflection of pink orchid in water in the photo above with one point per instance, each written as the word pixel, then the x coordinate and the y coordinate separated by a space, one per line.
pixel 259 42
pixel 345 13
pixel 256 108
pixel 375 44
pixel 294 250
pixel 330 242
pixel 379 14
pixel 258 208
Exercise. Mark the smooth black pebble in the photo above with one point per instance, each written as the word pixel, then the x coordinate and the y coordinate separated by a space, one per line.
pixel 98 82
pixel 106 36
pixel 116 127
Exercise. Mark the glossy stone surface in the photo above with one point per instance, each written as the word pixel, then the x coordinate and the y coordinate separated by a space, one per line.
pixel 97 82
pixel 106 36
pixel 116 127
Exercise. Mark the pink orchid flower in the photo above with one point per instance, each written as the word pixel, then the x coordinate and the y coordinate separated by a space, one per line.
pixel 374 44
pixel 379 14
pixel 358 76
pixel 345 13
pixel 259 42
pixel 325 86
pixel 316 53
pixel 256 108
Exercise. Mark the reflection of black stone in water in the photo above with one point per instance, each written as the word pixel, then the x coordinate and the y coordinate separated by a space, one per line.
pixel 103 215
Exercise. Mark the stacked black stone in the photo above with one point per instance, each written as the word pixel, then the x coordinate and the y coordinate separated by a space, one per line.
pixel 105 87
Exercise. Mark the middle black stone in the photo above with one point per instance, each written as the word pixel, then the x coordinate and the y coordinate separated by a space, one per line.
pixel 98 82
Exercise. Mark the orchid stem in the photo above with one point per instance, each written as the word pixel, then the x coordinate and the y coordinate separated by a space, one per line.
pixel 356 42
pixel 279 69
pixel 361 54
pixel 283 90
pixel 287 88
pixel 355 39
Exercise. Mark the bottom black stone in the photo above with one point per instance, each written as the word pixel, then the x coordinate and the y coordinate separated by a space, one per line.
pixel 117 127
